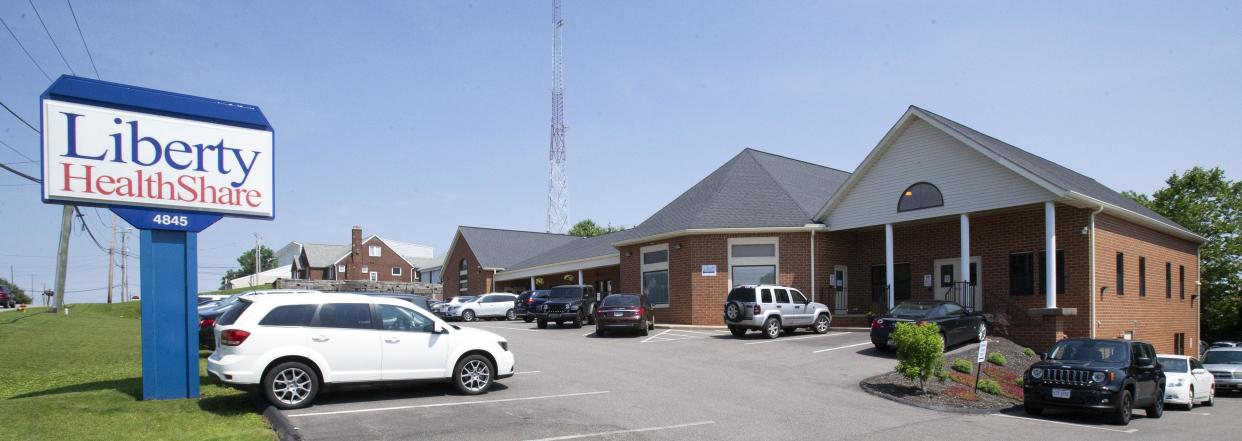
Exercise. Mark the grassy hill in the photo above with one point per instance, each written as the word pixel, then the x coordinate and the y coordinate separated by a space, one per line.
pixel 79 377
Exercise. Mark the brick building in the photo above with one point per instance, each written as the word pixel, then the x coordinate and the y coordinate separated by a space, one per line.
pixel 477 254
pixel 372 258
pixel 937 210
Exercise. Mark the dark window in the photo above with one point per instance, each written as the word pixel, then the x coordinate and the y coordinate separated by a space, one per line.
pixel 1121 273
pixel 946 276
pixel 395 318
pixel 1143 277
pixel 901 282
pixel 345 315
pixel 767 296
pixel 919 196
pixel 741 295
pixel 1181 282
pixel 1021 274
pixel 289 315
pixel 1043 275
pixel 1179 344
pixel 782 296
pixel 796 296
pixel 230 316
pixel 1168 280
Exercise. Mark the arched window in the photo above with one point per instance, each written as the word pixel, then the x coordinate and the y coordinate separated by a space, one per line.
pixel 463 266
pixel 919 196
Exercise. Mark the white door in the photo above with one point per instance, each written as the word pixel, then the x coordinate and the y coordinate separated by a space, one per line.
pixel 411 350
pixel 348 340
pixel 946 273
pixel 840 283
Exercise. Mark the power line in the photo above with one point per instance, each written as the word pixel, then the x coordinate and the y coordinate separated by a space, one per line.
pixel 82 218
pixel 49 37
pixel 31 57
pixel 14 171
pixel 88 48
pixel 19 117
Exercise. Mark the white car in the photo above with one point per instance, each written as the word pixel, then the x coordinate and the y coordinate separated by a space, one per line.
pixel 1186 382
pixel 493 305
pixel 292 346
pixel 441 309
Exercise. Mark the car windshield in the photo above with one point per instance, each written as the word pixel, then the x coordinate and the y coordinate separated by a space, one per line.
pixel 1089 350
pixel 913 309
pixel 1223 357
pixel 1174 364
pixel 569 293
pixel 620 301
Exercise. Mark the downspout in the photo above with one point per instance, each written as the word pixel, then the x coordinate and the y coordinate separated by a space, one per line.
pixel 1092 268
pixel 813 297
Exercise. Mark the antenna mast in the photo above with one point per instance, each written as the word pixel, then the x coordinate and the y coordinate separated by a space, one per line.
pixel 558 180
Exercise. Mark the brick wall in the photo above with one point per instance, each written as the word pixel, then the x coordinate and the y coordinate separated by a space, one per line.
pixel 1154 317
pixel 383 264
pixel 478 281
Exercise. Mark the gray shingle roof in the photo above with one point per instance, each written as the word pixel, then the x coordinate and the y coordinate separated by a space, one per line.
pixel 496 248
pixel 754 189
pixel 584 248
pixel 323 256
pixel 1052 172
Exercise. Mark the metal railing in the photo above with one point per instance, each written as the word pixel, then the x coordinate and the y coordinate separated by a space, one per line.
pixel 963 293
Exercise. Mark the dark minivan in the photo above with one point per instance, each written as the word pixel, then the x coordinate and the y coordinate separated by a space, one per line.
pixel 1106 376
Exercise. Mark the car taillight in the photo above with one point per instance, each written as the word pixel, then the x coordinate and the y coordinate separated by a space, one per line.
pixel 756 309
pixel 233 337
pixel 640 311
pixel 529 301
pixel 206 323
pixel 876 324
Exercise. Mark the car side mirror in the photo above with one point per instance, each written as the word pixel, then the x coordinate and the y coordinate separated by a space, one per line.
pixel 1043 355
pixel 438 328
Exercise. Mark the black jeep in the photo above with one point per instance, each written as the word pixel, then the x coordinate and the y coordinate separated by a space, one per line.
pixel 1106 376
pixel 568 303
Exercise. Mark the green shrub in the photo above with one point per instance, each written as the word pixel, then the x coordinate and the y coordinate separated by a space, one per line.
pixel 962 365
pixel 990 386
pixel 1020 381
pixel 997 358
pixel 1028 352
pixel 920 354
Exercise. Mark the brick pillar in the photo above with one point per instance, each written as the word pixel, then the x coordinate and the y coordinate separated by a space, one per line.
pixel 354 271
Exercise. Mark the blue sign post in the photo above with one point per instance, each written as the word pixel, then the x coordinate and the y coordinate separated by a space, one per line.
pixel 171 165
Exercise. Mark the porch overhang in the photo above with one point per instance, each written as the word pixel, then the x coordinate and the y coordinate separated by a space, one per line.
pixel 560 267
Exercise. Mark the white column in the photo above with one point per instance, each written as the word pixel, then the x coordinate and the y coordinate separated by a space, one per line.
pixel 965 244
pixel 813 266
pixel 532 283
pixel 580 277
pixel 1050 263
pixel 888 264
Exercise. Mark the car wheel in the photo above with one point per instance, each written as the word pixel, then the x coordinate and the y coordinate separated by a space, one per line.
pixel 1190 404
pixel 473 375
pixel 577 321
pixel 590 319
pixel 733 311
pixel 510 315
pixel 982 334
pixel 646 329
pixel 651 324
pixel 1157 409
pixel 600 332
pixel 528 319
pixel 821 324
pixel 291 385
pixel 468 316
pixel 771 328
pixel 1125 406
pixel 1032 410
pixel 737 332
pixel 543 324
pixel 1211 401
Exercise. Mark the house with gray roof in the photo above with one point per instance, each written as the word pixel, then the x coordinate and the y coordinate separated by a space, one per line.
pixel 937 210
pixel 476 255
pixel 371 258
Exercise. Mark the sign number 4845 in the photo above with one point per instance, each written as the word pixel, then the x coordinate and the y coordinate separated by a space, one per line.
pixel 165 219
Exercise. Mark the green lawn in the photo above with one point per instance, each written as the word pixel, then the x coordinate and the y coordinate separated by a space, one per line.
pixel 79 377
pixel 237 290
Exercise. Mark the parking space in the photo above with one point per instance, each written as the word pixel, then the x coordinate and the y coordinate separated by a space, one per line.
pixel 693 384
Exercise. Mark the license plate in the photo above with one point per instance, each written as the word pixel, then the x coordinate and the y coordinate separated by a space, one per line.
pixel 617 314
pixel 1060 393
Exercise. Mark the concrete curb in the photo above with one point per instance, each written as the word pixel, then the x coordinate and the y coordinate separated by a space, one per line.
pixel 725 328
pixel 285 430
pixel 950 409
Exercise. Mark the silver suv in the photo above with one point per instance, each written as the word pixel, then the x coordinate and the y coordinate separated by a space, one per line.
pixel 772 308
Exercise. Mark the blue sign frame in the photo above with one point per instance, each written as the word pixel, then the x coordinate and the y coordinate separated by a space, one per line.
pixel 169 238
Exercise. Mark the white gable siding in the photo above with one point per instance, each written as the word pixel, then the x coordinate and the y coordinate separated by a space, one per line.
pixel 968 180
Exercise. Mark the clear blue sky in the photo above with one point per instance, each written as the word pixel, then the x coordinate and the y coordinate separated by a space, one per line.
pixel 412 118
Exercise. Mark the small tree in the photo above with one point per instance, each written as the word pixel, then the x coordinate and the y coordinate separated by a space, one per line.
pixel 588 228
pixel 245 263
pixel 920 353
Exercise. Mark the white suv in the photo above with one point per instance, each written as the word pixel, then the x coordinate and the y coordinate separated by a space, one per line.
pixel 772 309
pixel 493 305
pixel 293 345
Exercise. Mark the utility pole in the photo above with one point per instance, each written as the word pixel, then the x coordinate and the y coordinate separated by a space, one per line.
pixel 62 257
pixel 124 272
pixel 254 279
pixel 111 258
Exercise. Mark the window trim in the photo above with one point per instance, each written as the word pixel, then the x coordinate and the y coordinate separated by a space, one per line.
pixel 774 260
pixel 1120 269
pixel 902 196
pixel 397 271
pixel 374 250
pixel 645 268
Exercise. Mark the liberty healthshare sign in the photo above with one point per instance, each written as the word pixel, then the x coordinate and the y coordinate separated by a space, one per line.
pixel 171 165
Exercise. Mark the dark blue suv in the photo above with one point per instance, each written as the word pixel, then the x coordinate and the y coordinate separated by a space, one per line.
pixel 526 302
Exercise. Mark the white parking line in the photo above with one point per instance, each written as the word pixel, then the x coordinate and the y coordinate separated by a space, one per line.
pixel 589 333
pixel 1066 424
pixel 615 432
pixel 841 347
pixel 462 403
pixel 692 332
pixel 795 338
pixel 526 372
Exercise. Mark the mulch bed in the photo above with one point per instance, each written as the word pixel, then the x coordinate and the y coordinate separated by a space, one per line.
pixel 956 393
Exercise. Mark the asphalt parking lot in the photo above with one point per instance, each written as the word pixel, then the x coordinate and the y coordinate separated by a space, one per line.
pixel 689 384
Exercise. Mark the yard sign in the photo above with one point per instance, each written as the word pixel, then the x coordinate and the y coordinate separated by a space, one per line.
pixel 171 165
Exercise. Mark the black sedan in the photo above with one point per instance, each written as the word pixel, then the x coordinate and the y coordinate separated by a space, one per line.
pixel 629 312
pixel 957 325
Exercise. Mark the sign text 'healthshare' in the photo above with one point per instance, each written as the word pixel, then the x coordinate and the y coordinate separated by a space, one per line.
pixel 115 157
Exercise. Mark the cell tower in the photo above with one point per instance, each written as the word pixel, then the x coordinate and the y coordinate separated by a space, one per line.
pixel 558 180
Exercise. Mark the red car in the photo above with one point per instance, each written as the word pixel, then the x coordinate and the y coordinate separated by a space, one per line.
pixel 625 312
pixel 7 300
